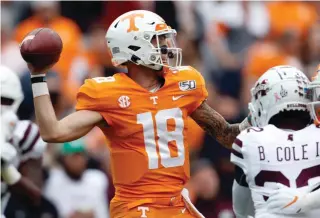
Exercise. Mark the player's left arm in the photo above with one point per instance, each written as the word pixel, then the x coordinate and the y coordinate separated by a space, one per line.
pixel 32 169
pixel 11 176
pixel 241 200
pixel 241 194
pixel 216 126
pixel 21 185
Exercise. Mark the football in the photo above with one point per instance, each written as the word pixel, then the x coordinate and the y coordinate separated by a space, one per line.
pixel 41 48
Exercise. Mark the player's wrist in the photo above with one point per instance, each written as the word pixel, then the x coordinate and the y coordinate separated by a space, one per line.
pixel 10 174
pixel 39 85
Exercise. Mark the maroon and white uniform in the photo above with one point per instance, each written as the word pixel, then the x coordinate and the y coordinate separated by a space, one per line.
pixel 270 155
pixel 27 141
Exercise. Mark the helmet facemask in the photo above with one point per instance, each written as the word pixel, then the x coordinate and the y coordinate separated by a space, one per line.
pixel 165 52
pixel 313 93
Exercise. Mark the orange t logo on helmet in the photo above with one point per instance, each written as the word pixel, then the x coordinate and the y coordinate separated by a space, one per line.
pixel 132 19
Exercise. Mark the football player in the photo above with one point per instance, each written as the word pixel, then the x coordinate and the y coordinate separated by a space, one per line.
pixel 291 201
pixel 284 148
pixel 144 114
pixel 21 146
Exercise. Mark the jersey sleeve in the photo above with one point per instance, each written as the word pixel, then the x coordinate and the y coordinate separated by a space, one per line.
pixel 200 93
pixel 27 140
pixel 93 96
pixel 242 147
pixel 237 155
pixel 88 96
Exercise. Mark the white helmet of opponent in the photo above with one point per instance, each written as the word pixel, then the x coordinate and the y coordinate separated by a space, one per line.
pixel 129 39
pixel 11 90
pixel 280 88
pixel 11 98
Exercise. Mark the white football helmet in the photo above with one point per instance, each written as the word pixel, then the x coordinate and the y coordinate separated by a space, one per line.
pixel 313 94
pixel 129 39
pixel 11 90
pixel 280 88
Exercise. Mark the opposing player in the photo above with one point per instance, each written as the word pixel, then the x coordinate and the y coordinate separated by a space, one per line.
pixel 289 200
pixel 283 149
pixel 21 146
pixel 144 115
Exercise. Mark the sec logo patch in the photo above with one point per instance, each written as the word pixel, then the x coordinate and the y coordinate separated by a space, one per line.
pixel 124 101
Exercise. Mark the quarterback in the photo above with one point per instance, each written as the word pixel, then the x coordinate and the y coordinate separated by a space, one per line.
pixel 282 151
pixel 144 114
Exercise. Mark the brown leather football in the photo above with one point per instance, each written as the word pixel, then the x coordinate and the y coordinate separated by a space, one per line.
pixel 41 47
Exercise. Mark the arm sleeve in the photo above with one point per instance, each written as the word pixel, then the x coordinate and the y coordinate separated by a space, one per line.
pixel 241 194
pixel 242 201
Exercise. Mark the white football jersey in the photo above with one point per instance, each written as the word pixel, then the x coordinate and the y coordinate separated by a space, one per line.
pixel 29 145
pixel 270 155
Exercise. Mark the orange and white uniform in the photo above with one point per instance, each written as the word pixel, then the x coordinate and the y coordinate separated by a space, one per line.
pixel 148 139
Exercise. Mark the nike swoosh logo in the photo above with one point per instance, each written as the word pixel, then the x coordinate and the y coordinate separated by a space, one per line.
pixel 177 97
pixel 183 210
pixel 292 202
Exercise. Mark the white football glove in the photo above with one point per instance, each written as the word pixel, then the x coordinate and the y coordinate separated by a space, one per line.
pixel 286 201
pixel 8 123
pixel 8 153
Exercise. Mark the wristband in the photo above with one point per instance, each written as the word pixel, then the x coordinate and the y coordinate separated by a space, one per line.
pixel 41 79
pixel 10 174
pixel 38 75
pixel 39 89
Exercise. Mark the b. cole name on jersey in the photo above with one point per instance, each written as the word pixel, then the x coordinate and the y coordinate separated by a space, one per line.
pixel 290 153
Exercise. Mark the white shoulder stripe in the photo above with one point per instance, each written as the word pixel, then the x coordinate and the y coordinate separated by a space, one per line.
pixel 239 162
pixel 236 147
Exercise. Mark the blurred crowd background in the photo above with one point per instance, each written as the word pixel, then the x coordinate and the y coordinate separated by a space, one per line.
pixel 230 43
